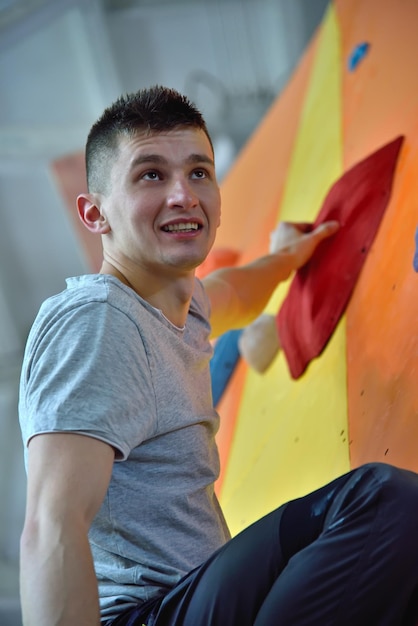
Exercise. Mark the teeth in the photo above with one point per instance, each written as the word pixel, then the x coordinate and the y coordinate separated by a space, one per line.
pixel 185 226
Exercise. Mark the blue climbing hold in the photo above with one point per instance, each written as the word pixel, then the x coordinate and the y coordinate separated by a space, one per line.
pixel 224 360
pixel 416 251
pixel 357 55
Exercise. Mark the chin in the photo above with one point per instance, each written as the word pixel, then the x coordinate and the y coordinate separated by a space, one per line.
pixel 191 262
pixel 187 265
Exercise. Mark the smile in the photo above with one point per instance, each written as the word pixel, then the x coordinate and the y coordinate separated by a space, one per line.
pixel 184 227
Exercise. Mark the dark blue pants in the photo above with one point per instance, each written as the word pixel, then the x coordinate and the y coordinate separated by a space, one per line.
pixel 347 554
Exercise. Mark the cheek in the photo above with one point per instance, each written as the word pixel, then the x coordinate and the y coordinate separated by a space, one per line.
pixel 215 203
pixel 142 211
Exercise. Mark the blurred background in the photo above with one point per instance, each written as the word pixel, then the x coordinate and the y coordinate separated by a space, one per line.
pixel 61 63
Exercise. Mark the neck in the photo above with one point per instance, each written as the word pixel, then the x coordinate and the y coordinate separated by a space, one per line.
pixel 171 294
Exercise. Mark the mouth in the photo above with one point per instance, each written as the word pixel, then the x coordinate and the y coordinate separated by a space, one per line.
pixel 183 227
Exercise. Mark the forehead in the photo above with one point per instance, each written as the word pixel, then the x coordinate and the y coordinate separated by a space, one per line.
pixel 175 146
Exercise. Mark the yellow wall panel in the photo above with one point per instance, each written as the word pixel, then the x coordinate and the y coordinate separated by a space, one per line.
pixel 291 436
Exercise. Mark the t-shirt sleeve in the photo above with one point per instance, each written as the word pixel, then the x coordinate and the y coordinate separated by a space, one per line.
pixel 87 372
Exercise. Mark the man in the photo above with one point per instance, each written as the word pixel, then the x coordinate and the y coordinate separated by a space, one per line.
pixel 119 425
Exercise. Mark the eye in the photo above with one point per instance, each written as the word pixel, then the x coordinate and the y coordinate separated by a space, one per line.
pixel 199 173
pixel 151 175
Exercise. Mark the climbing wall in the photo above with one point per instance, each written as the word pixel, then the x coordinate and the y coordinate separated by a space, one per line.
pixel 354 91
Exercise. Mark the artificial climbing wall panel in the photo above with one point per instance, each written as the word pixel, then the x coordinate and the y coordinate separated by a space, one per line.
pixel 355 90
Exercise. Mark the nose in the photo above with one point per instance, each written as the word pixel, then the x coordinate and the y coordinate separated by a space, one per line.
pixel 181 194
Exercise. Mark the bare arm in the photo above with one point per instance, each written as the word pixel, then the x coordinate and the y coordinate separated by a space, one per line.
pixel 68 475
pixel 239 294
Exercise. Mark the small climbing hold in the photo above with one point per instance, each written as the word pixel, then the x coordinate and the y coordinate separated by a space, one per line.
pixel 357 55
pixel 416 251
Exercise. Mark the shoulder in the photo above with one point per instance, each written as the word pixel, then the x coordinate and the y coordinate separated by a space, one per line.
pixel 200 299
pixel 92 317
pixel 91 297
pixel 200 306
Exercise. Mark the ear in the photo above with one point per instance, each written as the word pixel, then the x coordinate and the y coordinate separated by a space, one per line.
pixel 88 207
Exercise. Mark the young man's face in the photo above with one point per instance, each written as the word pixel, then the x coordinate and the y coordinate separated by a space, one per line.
pixel 164 205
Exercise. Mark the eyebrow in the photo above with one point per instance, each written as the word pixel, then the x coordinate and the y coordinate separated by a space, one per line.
pixel 158 159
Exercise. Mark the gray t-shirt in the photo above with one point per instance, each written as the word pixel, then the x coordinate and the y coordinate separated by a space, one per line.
pixel 103 362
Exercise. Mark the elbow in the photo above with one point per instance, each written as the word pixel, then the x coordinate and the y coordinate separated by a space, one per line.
pixel 29 536
pixel 44 535
pixel 36 541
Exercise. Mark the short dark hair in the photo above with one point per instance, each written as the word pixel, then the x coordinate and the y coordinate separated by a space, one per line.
pixel 155 109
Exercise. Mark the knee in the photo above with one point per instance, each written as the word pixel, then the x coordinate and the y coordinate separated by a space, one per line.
pixel 397 484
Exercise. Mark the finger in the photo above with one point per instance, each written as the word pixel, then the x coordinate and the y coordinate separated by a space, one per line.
pixel 327 229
